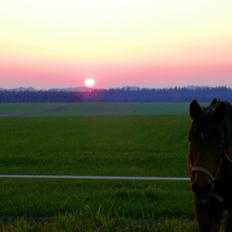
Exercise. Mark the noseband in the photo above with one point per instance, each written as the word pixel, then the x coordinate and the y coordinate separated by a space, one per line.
pixel 211 176
pixel 206 172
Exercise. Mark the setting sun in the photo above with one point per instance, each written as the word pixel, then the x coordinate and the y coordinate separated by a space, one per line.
pixel 90 83
pixel 147 43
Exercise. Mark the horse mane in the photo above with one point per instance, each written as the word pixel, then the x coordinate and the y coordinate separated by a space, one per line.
pixel 215 101
pixel 227 121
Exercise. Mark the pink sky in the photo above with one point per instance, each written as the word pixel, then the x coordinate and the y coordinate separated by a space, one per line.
pixel 47 43
pixel 114 75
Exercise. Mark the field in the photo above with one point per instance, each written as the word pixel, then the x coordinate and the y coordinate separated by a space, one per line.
pixel 124 142
pixel 87 109
pixel 100 145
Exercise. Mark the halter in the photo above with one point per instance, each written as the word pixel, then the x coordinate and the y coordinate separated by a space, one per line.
pixel 228 158
pixel 211 176
pixel 204 171
pixel 207 172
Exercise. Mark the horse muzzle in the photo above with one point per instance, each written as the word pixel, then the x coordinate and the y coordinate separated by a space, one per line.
pixel 202 191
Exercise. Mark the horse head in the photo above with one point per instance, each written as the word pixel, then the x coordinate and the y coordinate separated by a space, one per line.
pixel 206 148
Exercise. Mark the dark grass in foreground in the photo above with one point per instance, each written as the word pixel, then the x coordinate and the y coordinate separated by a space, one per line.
pixel 96 222
pixel 38 205
pixel 131 199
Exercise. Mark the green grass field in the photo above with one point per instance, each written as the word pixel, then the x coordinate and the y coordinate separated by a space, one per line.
pixel 97 205
pixel 100 145
pixel 133 199
pixel 87 109
pixel 123 144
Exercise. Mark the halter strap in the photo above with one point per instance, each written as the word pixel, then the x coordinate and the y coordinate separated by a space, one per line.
pixel 228 158
pixel 216 196
pixel 207 172
pixel 203 170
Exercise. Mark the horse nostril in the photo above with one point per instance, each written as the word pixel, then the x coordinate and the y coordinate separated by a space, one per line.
pixel 201 191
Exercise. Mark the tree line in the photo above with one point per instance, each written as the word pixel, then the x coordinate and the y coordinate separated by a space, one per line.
pixel 118 95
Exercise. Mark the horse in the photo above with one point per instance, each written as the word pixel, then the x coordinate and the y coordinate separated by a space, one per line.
pixel 210 164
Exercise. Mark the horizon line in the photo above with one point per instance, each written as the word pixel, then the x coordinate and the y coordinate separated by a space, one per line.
pixel 118 87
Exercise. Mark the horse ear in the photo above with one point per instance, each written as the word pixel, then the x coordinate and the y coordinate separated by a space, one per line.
pixel 219 113
pixel 195 109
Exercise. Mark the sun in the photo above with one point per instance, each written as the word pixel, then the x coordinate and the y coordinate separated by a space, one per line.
pixel 90 82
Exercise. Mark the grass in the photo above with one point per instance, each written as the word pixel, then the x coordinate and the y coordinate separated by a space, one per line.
pixel 130 145
pixel 96 206
pixel 83 109
pixel 100 145
pixel 125 109
pixel 100 223
pixel 34 108
pixel 131 199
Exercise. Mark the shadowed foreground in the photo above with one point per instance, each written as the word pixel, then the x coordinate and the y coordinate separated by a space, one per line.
pixel 89 221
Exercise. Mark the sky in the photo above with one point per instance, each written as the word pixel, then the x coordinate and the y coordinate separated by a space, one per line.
pixel 146 43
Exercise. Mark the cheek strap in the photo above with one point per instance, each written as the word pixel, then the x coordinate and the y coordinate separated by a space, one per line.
pixel 228 158
pixel 204 171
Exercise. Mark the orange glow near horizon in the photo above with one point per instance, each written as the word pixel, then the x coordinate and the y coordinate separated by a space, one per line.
pixel 152 43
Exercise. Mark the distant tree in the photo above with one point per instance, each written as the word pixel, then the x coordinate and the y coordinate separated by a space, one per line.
pixel 119 95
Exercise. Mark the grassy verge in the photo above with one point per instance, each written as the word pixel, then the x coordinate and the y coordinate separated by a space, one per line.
pixel 38 205
pixel 133 199
pixel 89 222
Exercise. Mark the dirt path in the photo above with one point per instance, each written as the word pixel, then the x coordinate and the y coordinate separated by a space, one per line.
pixel 31 113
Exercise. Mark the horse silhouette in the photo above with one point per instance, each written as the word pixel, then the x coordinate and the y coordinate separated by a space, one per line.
pixel 210 163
